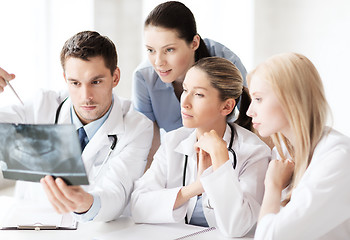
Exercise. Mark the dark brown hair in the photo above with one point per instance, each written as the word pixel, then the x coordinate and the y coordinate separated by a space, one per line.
pixel 176 16
pixel 88 44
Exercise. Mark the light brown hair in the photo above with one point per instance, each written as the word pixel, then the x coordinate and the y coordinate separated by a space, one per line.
pixel 227 79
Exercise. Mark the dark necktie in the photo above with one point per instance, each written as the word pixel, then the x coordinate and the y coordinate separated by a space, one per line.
pixel 82 138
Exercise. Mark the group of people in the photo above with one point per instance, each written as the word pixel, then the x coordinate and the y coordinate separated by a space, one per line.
pixel 211 166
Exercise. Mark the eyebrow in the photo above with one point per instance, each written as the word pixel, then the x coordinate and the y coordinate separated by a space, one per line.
pixel 255 93
pixel 206 89
pixel 197 87
pixel 165 46
pixel 92 79
pixel 97 77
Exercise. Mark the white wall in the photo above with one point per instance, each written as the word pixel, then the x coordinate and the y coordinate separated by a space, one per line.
pixel 32 35
pixel 121 21
pixel 319 29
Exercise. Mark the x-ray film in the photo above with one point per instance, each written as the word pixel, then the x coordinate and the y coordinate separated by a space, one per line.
pixel 29 152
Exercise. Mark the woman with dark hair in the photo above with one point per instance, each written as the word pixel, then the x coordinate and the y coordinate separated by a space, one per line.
pixel 209 172
pixel 173 46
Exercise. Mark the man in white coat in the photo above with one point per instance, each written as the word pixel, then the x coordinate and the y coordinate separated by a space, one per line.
pixel 89 62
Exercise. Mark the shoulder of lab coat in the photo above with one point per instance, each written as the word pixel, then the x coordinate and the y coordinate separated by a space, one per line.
pixel 319 207
pixel 153 198
pixel 127 162
pixel 235 195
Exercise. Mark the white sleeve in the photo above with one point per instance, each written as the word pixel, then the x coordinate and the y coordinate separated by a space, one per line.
pixel 123 168
pixel 151 201
pixel 235 195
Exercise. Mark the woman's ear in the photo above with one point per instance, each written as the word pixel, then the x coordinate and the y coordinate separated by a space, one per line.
pixel 228 106
pixel 195 42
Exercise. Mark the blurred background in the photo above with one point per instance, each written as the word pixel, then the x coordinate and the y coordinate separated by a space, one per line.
pixel 33 33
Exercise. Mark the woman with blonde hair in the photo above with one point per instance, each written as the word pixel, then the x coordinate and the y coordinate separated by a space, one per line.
pixel 209 172
pixel 310 178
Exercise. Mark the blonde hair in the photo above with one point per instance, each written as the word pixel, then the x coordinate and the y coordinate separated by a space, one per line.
pixel 298 86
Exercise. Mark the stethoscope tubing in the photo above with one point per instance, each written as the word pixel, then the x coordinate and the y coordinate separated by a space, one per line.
pixel 114 143
pixel 229 149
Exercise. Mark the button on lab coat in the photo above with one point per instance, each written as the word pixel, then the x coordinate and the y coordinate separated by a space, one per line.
pixel 232 198
pixel 125 165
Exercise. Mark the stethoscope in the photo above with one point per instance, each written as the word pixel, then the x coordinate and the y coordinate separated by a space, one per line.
pixel 114 143
pixel 229 149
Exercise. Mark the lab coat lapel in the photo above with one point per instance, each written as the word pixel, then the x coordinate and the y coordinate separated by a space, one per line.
pixel 97 148
pixel 186 147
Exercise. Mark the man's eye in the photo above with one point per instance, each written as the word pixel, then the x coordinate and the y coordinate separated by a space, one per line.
pixel 96 82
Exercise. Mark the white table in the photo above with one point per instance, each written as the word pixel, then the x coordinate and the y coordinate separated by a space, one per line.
pixel 122 228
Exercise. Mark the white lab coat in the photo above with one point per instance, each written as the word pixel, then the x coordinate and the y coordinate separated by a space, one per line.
pixel 320 204
pixel 126 163
pixel 232 198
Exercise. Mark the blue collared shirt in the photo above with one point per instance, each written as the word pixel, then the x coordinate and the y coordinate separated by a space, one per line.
pixel 90 129
pixel 198 217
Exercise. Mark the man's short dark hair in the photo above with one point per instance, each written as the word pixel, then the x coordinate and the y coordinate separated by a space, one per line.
pixel 88 44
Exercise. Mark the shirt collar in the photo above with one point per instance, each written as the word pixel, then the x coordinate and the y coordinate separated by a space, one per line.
pixel 92 127
pixel 186 146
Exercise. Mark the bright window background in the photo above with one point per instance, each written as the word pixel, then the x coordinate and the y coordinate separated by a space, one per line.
pixel 319 29
pixel 33 32
pixel 32 35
